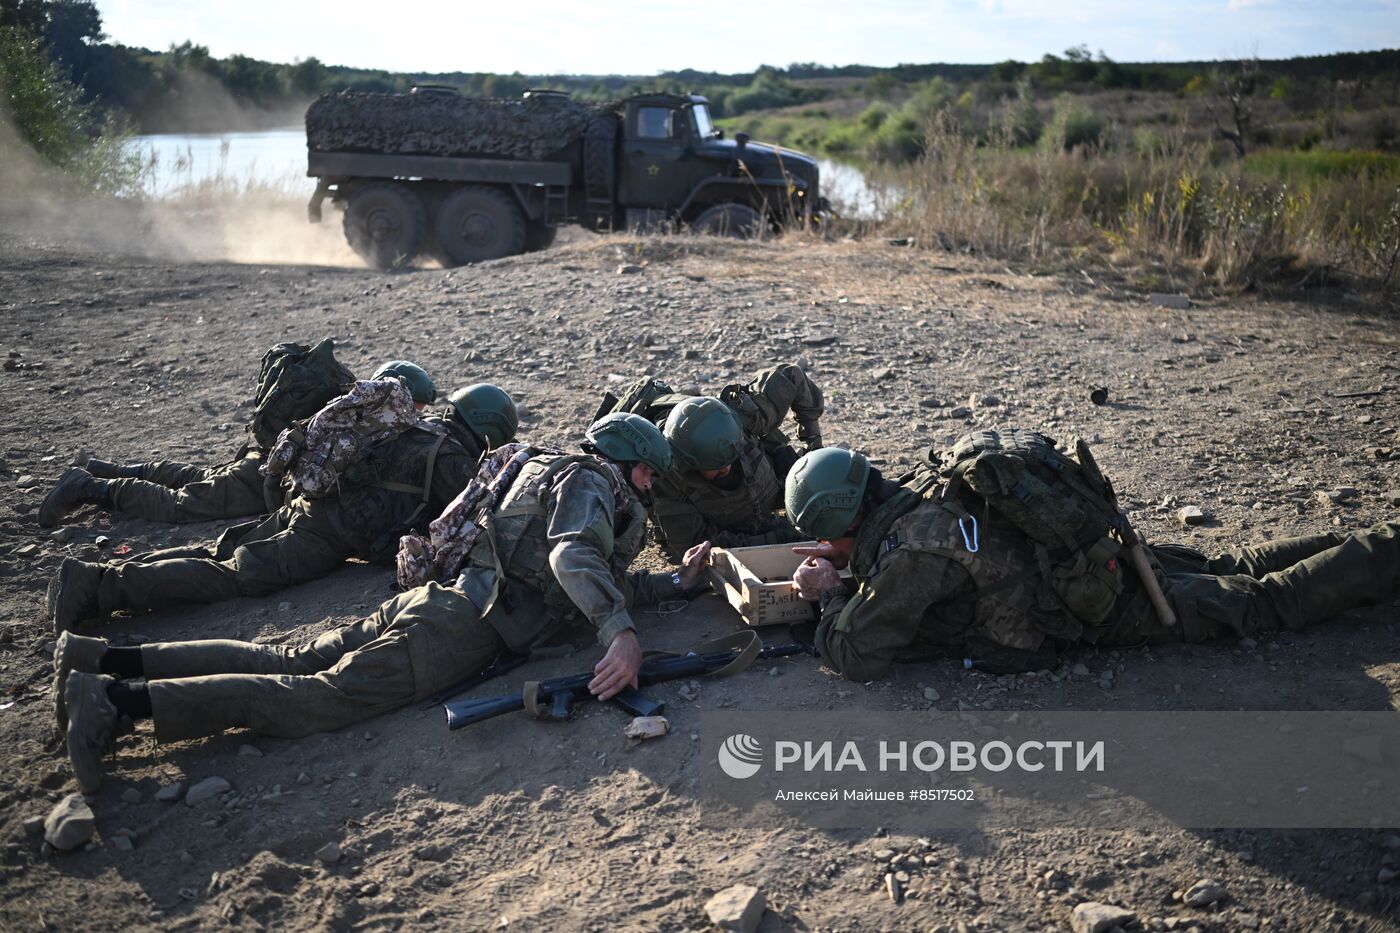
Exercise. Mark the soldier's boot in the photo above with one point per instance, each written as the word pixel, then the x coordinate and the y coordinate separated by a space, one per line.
pixel 106 469
pixel 72 594
pixel 76 487
pixel 92 726
pixel 1363 570
pixel 73 653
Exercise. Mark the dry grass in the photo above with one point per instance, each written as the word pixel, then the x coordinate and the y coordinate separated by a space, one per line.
pixel 1168 205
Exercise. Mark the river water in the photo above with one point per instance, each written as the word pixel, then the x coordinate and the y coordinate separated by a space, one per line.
pixel 275 160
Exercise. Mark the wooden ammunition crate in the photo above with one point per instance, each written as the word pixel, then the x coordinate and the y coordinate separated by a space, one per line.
pixel 757 581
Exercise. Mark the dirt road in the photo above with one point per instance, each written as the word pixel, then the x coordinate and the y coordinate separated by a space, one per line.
pixel 1248 410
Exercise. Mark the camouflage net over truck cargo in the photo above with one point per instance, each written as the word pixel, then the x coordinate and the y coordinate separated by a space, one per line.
pixel 446 124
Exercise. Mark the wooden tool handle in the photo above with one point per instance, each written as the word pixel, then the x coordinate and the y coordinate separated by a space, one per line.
pixel 1138 556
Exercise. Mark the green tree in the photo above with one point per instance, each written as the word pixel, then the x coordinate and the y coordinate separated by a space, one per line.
pixel 1008 70
pixel 307 77
pixel 881 84
pixel 49 113
pixel 250 79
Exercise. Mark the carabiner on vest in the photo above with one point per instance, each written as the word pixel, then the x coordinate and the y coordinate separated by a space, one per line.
pixel 970 541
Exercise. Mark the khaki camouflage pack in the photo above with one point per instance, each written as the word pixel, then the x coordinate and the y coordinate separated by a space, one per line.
pixel 440 554
pixel 310 462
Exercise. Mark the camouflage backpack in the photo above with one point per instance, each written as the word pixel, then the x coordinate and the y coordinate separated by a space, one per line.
pixel 1065 506
pixel 440 554
pixel 310 462
pixel 294 382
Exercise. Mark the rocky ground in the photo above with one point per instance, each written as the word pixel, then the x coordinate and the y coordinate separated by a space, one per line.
pixel 1270 418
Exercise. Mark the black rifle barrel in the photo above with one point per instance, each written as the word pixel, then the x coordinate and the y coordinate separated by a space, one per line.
pixel 654 671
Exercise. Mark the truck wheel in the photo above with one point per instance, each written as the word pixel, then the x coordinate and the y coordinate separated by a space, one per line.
pixel 738 221
pixel 539 236
pixel 384 223
pixel 478 223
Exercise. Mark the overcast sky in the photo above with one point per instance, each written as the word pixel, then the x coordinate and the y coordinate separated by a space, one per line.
pixel 642 38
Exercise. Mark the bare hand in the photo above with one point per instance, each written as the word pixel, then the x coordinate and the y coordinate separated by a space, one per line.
pixel 815 577
pixel 837 552
pixel 619 666
pixel 693 565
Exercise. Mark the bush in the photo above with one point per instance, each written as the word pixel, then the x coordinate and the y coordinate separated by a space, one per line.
pixel 1023 123
pixel 900 139
pixel 1075 125
pixel 874 117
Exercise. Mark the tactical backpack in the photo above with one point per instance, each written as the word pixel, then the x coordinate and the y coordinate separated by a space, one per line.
pixel 294 382
pixel 310 462
pixel 650 398
pixel 1065 506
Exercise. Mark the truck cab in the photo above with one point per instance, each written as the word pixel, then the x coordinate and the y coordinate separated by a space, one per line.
pixel 677 167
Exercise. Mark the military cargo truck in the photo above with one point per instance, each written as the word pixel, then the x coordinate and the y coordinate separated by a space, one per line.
pixel 467 179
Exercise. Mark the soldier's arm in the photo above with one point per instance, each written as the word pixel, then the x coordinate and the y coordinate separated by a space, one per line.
pixel 581 544
pixel 787 388
pixel 861 634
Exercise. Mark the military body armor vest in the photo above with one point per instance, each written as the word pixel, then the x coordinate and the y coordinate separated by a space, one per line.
pixel 745 507
pixel 519 532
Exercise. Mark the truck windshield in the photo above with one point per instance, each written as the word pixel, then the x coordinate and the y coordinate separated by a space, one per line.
pixel 704 129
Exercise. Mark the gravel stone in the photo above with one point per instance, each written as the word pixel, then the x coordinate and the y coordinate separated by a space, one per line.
pixel 207 789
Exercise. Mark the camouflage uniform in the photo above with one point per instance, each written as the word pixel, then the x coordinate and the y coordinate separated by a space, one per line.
pixel 310 537
pixel 564 539
pixel 917 586
pixel 738 510
pixel 169 491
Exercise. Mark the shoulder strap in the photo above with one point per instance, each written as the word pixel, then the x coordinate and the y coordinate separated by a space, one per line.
pixel 537 507
pixel 426 490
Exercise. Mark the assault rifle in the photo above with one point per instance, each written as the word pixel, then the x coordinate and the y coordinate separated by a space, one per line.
pixel 553 699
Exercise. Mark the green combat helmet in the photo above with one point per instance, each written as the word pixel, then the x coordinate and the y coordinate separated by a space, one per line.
pixel 704 434
pixel 824 491
pixel 488 411
pixel 629 438
pixel 419 384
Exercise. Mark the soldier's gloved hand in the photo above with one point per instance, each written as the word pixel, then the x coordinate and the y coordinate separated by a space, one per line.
pixel 693 565
pixel 814 577
pixel 810 436
pixel 838 552
pixel 619 666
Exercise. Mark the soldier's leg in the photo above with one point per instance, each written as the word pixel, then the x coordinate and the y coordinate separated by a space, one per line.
pixel 432 637
pixel 259 566
pixel 229 491
pixel 167 553
pixel 171 473
pixel 1363 569
pixel 173 660
pixel 1256 560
